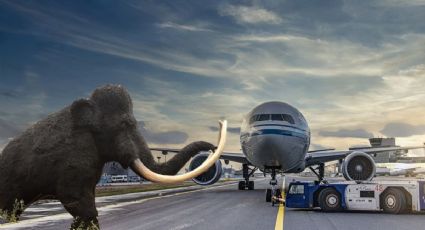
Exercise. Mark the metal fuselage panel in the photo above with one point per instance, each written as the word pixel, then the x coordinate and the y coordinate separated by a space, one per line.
pixel 272 143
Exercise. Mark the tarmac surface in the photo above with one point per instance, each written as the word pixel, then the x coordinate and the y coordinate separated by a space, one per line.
pixel 218 207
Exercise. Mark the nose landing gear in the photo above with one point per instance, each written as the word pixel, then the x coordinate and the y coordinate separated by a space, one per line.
pixel 274 194
pixel 247 184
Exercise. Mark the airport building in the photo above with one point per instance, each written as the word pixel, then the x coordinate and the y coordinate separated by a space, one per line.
pixel 115 169
pixel 387 157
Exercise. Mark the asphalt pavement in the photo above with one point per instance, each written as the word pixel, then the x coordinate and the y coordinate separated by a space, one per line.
pixel 220 207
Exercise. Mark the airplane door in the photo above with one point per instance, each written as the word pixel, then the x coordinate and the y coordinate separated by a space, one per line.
pixel 422 194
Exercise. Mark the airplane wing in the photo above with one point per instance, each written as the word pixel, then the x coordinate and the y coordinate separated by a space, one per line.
pixel 171 150
pixel 227 156
pixel 312 157
pixel 236 157
pixel 317 157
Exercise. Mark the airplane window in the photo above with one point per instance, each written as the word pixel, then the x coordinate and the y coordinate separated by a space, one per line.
pixel 263 117
pixel 297 189
pixel 277 117
pixel 288 118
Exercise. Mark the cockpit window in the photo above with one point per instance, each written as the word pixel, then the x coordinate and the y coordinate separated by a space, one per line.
pixel 277 117
pixel 263 117
pixel 259 117
pixel 283 117
pixel 288 118
pixel 274 117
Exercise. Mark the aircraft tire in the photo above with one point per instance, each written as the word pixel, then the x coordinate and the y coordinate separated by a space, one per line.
pixel 251 185
pixel 268 195
pixel 241 185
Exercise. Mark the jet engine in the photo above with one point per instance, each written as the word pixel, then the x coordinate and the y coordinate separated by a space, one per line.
pixel 211 176
pixel 358 166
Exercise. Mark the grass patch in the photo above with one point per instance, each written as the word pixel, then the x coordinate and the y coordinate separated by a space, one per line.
pixel 12 216
pixel 124 189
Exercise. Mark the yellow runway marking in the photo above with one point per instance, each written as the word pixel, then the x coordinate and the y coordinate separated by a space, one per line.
pixel 281 213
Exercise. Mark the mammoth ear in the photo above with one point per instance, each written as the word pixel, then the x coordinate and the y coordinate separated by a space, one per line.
pixel 83 113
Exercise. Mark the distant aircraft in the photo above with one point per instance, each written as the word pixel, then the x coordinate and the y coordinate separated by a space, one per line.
pixel 400 169
pixel 275 138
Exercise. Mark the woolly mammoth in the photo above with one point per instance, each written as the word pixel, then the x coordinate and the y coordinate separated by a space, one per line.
pixel 62 156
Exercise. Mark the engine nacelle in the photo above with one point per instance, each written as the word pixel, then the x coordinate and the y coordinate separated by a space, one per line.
pixel 211 176
pixel 359 166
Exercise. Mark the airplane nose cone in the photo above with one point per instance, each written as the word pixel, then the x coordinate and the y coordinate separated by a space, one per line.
pixel 286 152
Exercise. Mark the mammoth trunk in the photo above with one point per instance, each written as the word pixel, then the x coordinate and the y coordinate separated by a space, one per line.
pixel 146 166
pixel 172 166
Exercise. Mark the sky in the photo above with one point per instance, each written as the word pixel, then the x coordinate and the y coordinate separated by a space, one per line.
pixel 355 69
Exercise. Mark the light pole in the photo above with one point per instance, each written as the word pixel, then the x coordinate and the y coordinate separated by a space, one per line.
pixel 159 158
pixel 165 155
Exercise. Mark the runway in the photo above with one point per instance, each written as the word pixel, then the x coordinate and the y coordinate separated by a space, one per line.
pixel 222 207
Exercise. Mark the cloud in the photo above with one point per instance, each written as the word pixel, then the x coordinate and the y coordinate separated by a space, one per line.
pixel 8 94
pixel 8 129
pixel 234 130
pixel 354 133
pixel 250 15
pixel 401 3
pixel 314 147
pixel 399 129
pixel 3 144
pixel 176 26
pixel 167 137
pixel 337 69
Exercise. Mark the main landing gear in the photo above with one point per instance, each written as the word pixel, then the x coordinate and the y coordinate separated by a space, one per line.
pixel 320 174
pixel 273 194
pixel 247 184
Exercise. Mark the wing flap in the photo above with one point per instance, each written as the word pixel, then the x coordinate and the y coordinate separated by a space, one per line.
pixel 228 156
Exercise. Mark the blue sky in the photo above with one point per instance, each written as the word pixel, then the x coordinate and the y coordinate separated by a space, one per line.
pixel 355 69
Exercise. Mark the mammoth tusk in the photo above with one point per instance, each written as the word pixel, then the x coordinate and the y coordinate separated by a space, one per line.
pixel 140 168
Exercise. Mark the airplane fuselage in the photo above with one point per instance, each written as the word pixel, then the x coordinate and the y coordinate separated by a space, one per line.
pixel 275 135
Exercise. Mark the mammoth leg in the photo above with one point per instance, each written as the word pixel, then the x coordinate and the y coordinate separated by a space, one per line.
pixel 83 210
pixel 77 195
pixel 11 207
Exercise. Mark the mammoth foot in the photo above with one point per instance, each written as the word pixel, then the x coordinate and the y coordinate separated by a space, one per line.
pixel 12 212
pixel 85 224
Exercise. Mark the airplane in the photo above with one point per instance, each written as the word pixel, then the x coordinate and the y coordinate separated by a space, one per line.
pixel 400 169
pixel 275 138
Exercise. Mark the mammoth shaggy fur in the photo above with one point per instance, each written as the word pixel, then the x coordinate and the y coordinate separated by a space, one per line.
pixel 62 156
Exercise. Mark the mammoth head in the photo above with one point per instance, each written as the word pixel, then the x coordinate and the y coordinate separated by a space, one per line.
pixel 109 108
pixel 109 114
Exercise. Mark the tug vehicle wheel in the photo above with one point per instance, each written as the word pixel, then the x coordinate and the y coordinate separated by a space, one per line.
pixel 393 201
pixel 330 200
